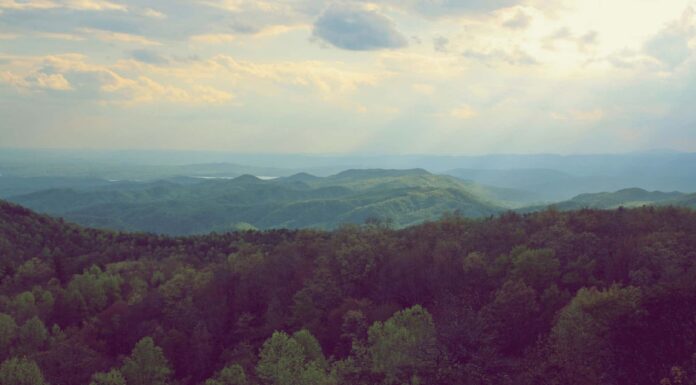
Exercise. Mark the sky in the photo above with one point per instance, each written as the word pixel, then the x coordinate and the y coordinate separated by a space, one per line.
pixel 332 77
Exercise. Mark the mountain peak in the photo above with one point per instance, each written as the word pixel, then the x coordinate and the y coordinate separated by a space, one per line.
pixel 247 178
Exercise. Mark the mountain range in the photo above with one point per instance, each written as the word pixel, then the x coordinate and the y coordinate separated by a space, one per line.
pixel 194 206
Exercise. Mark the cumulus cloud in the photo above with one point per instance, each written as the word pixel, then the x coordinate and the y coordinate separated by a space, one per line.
pixel 357 28
pixel 99 83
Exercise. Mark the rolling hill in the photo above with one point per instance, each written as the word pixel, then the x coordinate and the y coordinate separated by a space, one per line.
pixel 631 197
pixel 194 206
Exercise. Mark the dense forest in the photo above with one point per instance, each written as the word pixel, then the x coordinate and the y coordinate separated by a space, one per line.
pixel 581 297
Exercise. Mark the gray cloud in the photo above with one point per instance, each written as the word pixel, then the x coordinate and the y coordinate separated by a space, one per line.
pixel 440 44
pixel 521 20
pixel 355 28
pixel 565 35
pixel 671 46
pixel 444 8
pixel 149 56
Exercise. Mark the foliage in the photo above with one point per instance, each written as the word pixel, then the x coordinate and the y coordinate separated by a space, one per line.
pixel 583 297
pixel 20 371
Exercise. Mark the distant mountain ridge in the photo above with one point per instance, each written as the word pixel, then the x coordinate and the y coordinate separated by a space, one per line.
pixel 178 207
pixel 630 197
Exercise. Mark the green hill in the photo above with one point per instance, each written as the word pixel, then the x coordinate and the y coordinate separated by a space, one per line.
pixel 631 197
pixel 195 206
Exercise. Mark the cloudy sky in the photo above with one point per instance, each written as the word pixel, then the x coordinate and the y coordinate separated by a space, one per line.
pixel 383 76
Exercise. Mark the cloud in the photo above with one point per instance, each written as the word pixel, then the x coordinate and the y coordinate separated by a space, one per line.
pixel 98 83
pixel 357 28
pixel 213 38
pixel 580 116
pixel 463 112
pixel 327 78
pixel 521 20
pixel 671 44
pixel 440 44
pixel 153 13
pixel 59 36
pixel 120 37
pixel 83 5
pixel 514 57
pixel 451 8
pixel 149 56
pixel 564 35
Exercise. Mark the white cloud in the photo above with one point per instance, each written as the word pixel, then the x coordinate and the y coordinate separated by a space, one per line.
pixel 149 12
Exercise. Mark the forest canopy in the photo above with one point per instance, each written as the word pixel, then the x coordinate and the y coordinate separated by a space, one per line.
pixel 579 297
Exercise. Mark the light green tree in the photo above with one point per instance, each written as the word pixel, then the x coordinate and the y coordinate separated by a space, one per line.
pixel 32 335
pixel 21 371
pixel 403 346
pixel 579 348
pixel 113 377
pixel 8 332
pixel 286 360
pixel 230 375
pixel 281 360
pixel 146 365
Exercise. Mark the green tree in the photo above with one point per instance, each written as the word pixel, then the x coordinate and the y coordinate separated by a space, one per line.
pixel 537 268
pixel 20 371
pixel 146 365
pixel 286 361
pixel 32 335
pixel 281 361
pixel 404 346
pixel 113 377
pixel 512 317
pixel 91 291
pixel 310 347
pixel 577 339
pixel 8 333
pixel 230 375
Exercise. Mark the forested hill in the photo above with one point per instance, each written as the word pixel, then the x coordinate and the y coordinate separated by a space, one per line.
pixel 630 197
pixel 184 206
pixel 582 297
